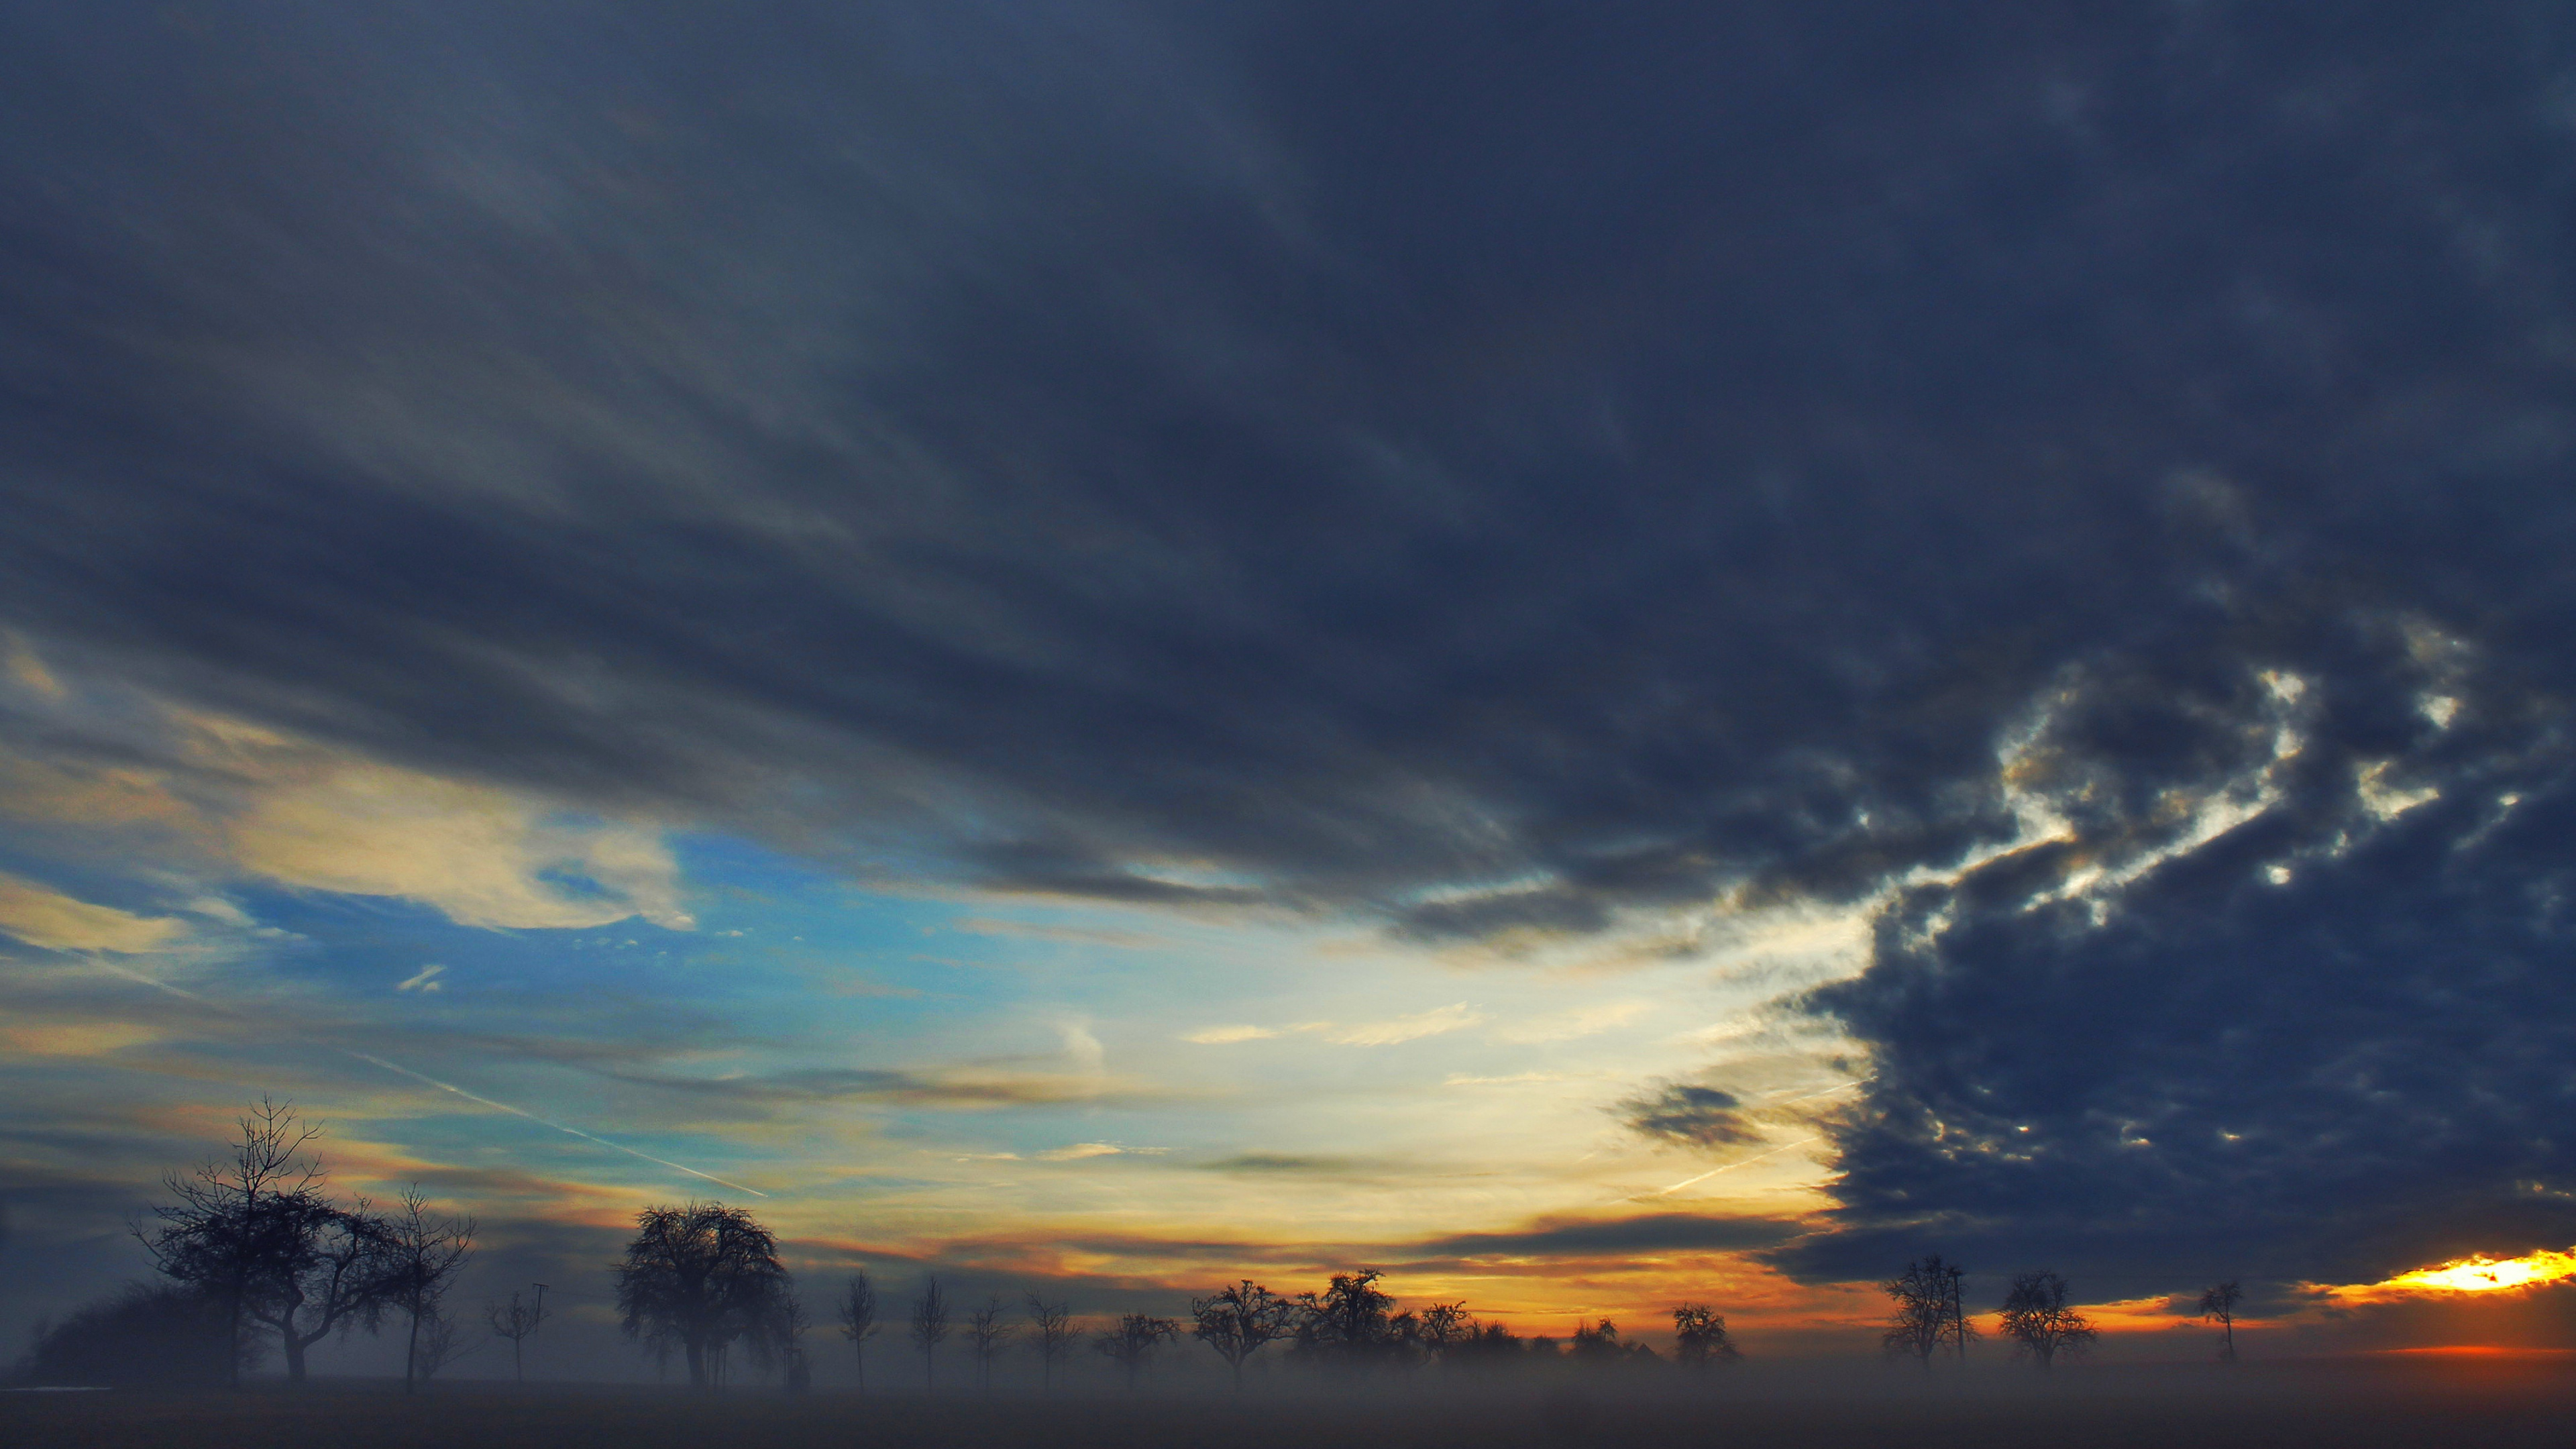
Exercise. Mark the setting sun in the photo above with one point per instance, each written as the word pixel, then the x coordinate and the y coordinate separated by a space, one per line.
pixel 2482 1274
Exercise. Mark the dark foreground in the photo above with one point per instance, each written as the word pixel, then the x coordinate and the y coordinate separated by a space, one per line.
pixel 2491 1404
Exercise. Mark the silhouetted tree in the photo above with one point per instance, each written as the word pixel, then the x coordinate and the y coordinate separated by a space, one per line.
pixel 518 1322
pixel 435 1343
pixel 929 1326
pixel 1700 1338
pixel 1597 1345
pixel 1442 1327
pixel 702 1277
pixel 1238 1321
pixel 1132 1343
pixel 786 1339
pixel 162 1335
pixel 2218 1305
pixel 1490 1345
pixel 858 1311
pixel 985 1334
pixel 2038 1321
pixel 423 1255
pixel 1928 1310
pixel 1353 1323
pixel 244 1231
pixel 1055 1336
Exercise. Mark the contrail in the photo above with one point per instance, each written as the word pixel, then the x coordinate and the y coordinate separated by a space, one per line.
pixel 114 969
pixel 541 1121
pixel 1730 1167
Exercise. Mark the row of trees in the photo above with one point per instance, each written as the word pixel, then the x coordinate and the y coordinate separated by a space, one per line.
pixel 2037 1315
pixel 700 1294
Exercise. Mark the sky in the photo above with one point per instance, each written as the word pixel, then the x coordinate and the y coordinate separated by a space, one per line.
pixel 1597 656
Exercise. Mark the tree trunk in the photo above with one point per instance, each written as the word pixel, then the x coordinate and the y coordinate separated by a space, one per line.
pixel 411 1352
pixel 294 1346
pixel 697 1354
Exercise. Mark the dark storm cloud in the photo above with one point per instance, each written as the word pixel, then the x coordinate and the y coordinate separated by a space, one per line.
pixel 1490 469
pixel 1692 1115
pixel 1652 1232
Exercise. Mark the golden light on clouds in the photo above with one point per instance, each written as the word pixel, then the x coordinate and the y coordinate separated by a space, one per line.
pixel 2475 1274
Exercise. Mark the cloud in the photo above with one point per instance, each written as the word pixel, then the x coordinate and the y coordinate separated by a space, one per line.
pixel 1579 1022
pixel 424 981
pixel 1691 1115
pixel 1644 1233
pixel 1226 1035
pixel 48 919
pixel 1399 1029
pixel 1080 1151
pixel 2029 483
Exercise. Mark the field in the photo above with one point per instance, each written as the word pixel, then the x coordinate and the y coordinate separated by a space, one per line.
pixel 2493 1404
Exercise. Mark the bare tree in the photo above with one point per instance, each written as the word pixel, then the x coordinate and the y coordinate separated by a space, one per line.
pixel 1700 1338
pixel 1238 1321
pixel 1443 1328
pixel 1132 1343
pixel 518 1322
pixel 2218 1305
pixel 2038 1321
pixel 1928 1310
pixel 423 1255
pixel 858 1310
pixel 985 1334
pixel 929 1327
pixel 702 1276
pixel 435 1345
pixel 1055 1336
pixel 238 1224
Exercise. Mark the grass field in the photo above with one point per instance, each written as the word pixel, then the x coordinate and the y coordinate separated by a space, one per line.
pixel 2497 1404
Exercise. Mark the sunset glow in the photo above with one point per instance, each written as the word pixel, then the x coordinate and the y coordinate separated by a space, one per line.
pixel 2482 1274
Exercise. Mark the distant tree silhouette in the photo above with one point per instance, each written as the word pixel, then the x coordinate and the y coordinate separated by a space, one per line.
pixel 1132 1343
pixel 858 1312
pixel 144 1335
pixel 1929 1312
pixel 1353 1323
pixel 2038 1321
pixel 929 1326
pixel 1442 1328
pixel 2218 1305
pixel 1700 1339
pixel 1490 1345
pixel 703 1277
pixel 435 1343
pixel 985 1334
pixel 518 1322
pixel 1597 1346
pixel 1055 1336
pixel 423 1254
pixel 1238 1321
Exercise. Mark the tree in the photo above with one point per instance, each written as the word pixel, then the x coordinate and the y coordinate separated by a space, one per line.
pixel 929 1326
pixel 1928 1310
pixel 703 1277
pixel 423 1255
pixel 161 1335
pixel 858 1310
pixel 1055 1336
pixel 435 1344
pixel 2038 1321
pixel 238 1226
pixel 1596 1343
pixel 1700 1338
pixel 517 1322
pixel 985 1334
pixel 1352 1323
pixel 1443 1328
pixel 2218 1305
pixel 1238 1321
pixel 1132 1343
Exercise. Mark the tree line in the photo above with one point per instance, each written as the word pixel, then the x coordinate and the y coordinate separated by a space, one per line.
pixel 253 1249
pixel 702 1280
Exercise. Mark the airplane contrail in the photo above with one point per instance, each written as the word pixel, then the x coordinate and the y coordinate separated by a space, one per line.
pixel 1739 1162
pixel 180 991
